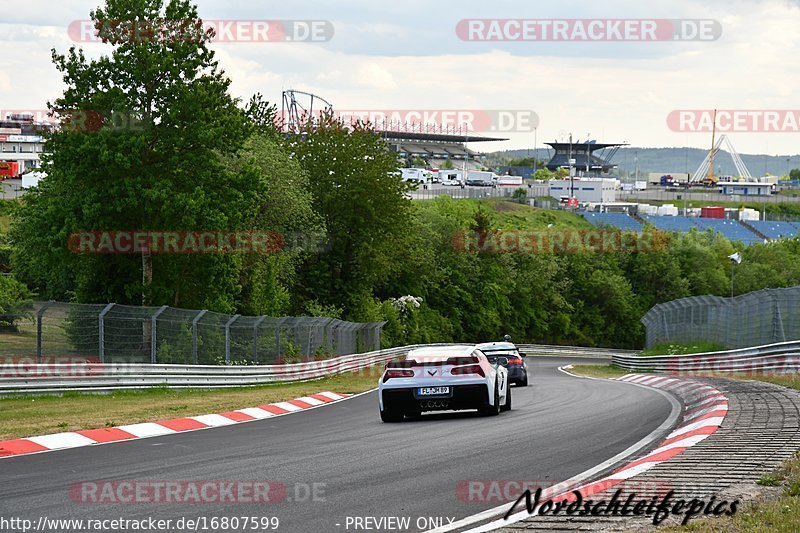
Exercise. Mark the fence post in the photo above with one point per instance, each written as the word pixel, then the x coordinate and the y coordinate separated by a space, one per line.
pixel 228 338
pixel 194 333
pixel 101 330
pixel 153 339
pixel 39 317
pixel 278 336
pixel 255 336
pixel 378 333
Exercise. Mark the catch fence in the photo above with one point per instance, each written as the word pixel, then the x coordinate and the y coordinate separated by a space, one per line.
pixel 752 319
pixel 113 333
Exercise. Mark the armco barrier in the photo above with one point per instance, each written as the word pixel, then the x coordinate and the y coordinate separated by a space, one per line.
pixel 99 377
pixel 547 349
pixel 782 357
pixel 36 378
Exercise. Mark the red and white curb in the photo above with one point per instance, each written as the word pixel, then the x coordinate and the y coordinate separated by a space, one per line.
pixel 89 437
pixel 704 410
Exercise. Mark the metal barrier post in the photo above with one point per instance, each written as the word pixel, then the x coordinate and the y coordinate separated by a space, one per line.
pixel 39 317
pixel 102 332
pixel 228 338
pixel 194 333
pixel 278 335
pixel 153 333
pixel 255 336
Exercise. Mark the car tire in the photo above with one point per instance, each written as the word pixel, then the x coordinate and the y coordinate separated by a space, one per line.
pixel 391 416
pixel 507 406
pixel 492 410
pixel 524 382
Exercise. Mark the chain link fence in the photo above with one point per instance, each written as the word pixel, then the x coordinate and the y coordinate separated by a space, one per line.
pixel 115 333
pixel 752 319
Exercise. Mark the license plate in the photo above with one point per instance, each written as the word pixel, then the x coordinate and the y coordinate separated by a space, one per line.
pixel 433 391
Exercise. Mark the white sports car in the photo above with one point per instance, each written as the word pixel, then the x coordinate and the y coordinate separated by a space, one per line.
pixel 443 378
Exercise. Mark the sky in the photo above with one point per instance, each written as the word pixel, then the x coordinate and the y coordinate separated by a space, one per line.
pixel 408 55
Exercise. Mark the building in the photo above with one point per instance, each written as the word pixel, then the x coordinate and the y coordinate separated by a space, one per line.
pixel 433 146
pixel 21 142
pixel 745 188
pixel 586 190
pixel 589 158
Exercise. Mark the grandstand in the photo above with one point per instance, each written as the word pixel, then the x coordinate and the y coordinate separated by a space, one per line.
pixel 730 229
pixel 433 145
pixel 776 230
pixel 617 220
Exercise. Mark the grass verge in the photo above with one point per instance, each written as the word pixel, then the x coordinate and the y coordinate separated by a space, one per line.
pixel 675 349
pixel 597 371
pixel 781 515
pixel 31 416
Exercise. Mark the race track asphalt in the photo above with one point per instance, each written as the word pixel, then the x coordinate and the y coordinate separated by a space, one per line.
pixel 559 427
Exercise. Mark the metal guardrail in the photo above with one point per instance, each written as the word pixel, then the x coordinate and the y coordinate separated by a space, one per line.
pixel 781 356
pixel 35 378
pixel 547 349
pixel 90 375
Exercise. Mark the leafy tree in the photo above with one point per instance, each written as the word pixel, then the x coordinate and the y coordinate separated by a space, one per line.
pixel 364 210
pixel 139 149
pixel 794 174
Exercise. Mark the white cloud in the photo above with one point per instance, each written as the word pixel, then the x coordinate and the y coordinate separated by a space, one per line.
pixel 407 56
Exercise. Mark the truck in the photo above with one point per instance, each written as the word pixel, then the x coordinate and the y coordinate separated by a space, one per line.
pixel 417 176
pixel 480 178
pixel 509 181
pixel 451 177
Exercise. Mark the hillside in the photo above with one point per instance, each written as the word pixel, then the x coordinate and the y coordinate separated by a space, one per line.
pixel 673 160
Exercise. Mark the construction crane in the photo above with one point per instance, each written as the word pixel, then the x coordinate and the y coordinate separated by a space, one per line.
pixel 705 172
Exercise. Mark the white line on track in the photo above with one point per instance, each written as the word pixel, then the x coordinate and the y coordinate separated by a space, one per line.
pixel 573 482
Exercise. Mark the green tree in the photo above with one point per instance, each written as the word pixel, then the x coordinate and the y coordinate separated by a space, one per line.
pixel 142 132
pixel 364 209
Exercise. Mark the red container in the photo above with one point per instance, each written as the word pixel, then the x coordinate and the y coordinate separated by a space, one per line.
pixel 712 212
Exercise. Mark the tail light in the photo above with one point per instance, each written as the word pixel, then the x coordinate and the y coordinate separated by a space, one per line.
pixel 514 360
pixel 469 369
pixel 397 373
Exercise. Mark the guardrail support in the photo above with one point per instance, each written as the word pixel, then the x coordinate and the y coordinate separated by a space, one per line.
pixel 153 337
pixel 102 332
pixel 195 320
pixel 39 317
pixel 255 336
pixel 228 338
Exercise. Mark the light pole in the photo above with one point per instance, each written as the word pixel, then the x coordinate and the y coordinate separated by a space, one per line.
pixel 571 177
pixel 736 259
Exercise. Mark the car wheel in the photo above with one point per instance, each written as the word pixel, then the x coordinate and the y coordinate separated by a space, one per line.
pixel 492 410
pixel 507 406
pixel 524 382
pixel 391 416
